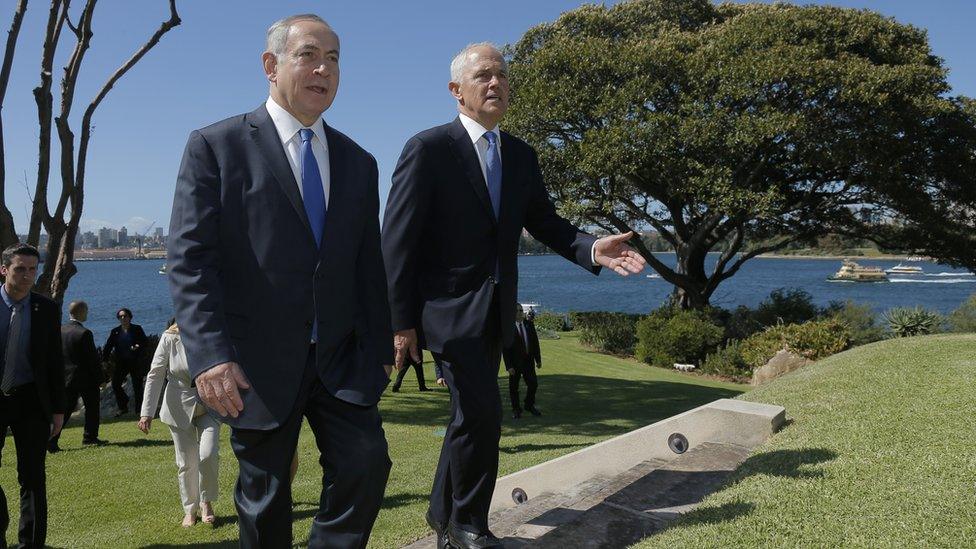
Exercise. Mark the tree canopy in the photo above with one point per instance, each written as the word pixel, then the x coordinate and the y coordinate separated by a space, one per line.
pixel 742 129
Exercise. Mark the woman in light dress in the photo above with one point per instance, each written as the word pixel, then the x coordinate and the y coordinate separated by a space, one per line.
pixel 196 435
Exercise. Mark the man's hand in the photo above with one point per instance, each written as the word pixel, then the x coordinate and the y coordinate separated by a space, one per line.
pixel 57 421
pixel 613 252
pixel 145 423
pixel 441 381
pixel 538 365
pixel 405 341
pixel 218 388
pixel 511 371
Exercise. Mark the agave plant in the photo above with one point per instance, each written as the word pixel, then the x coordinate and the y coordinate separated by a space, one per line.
pixel 912 321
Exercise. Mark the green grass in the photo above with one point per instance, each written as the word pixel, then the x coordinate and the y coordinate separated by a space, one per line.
pixel 125 494
pixel 879 453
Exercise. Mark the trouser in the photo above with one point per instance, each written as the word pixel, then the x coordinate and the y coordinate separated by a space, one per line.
pixel 527 371
pixel 131 368
pixel 197 461
pixel 22 414
pixel 90 397
pixel 355 465
pixel 418 367
pixel 465 475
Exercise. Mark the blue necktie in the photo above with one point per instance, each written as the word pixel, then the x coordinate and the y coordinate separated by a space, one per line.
pixel 312 193
pixel 493 169
pixel 314 197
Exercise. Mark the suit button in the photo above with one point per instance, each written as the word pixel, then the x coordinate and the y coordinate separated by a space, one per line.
pixel 491 280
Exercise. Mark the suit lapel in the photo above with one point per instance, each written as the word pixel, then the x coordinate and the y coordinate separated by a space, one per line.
pixel 509 169
pixel 38 322
pixel 265 135
pixel 338 190
pixel 463 149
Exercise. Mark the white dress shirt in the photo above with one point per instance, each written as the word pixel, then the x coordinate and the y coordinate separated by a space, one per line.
pixel 477 134
pixel 288 126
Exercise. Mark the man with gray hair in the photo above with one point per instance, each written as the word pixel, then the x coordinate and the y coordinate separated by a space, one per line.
pixel 280 293
pixel 461 195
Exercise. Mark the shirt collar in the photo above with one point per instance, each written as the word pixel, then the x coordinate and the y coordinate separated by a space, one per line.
pixel 287 125
pixel 475 130
pixel 9 301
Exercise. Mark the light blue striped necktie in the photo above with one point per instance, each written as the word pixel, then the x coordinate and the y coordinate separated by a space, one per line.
pixel 493 171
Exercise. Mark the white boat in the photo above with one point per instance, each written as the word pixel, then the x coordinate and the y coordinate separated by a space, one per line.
pixel 653 275
pixel 162 270
pixel 915 258
pixel 852 272
pixel 905 269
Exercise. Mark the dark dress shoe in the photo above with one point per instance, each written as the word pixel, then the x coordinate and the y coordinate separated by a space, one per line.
pixel 516 414
pixel 462 539
pixel 53 448
pixel 533 410
pixel 424 389
pixel 395 389
pixel 439 530
pixel 94 441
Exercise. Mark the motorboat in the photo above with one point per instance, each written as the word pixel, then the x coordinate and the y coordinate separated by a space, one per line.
pixel 905 269
pixel 853 272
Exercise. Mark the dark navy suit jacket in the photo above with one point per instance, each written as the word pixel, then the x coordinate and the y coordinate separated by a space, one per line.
pixel 247 278
pixel 441 241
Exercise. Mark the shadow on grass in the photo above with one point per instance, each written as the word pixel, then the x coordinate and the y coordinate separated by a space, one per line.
pixel 786 463
pixel 519 448
pixel 576 404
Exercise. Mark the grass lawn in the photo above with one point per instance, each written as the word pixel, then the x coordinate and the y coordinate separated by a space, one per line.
pixel 881 452
pixel 125 494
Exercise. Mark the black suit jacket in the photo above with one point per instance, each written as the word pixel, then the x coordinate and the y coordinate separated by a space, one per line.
pixel 247 279
pixel 441 240
pixel 138 337
pixel 46 360
pixel 524 354
pixel 82 365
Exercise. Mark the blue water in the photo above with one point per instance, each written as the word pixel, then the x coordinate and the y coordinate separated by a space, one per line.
pixel 558 285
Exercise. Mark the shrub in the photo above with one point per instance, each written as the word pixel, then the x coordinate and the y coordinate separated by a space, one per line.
pixel 613 333
pixel 552 321
pixel 860 320
pixel 963 319
pixel 670 336
pixel 812 340
pixel 741 323
pixel 786 306
pixel 912 321
pixel 726 361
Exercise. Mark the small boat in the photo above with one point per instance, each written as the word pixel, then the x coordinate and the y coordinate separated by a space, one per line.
pixel 915 258
pixel 904 269
pixel 653 275
pixel 852 272
pixel 162 270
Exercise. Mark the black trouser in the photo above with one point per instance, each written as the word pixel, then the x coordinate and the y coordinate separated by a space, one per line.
pixel 22 414
pixel 130 367
pixel 418 368
pixel 90 397
pixel 525 370
pixel 355 464
pixel 465 475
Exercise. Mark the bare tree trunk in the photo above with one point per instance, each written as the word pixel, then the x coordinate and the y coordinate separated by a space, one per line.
pixel 60 267
pixel 8 233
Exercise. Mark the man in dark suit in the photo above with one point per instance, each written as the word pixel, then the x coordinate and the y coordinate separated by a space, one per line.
pixel 31 387
pixel 522 357
pixel 128 343
pixel 461 195
pixel 280 293
pixel 82 373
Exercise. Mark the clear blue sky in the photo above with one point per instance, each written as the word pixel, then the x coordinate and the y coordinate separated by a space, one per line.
pixel 394 65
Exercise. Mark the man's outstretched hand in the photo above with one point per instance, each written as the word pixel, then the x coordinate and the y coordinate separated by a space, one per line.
pixel 405 342
pixel 613 252
pixel 219 388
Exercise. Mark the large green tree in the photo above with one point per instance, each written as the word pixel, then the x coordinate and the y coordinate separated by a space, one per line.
pixel 742 129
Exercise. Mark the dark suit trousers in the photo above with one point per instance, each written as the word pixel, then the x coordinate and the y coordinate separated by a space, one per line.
pixel 468 465
pixel 418 368
pixel 22 414
pixel 354 459
pixel 90 396
pixel 131 368
pixel 525 370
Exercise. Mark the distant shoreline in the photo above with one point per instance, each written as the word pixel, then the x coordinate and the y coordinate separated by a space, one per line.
pixel 882 257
